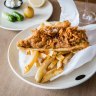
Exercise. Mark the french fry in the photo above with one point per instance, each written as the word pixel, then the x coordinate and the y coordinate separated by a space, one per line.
pixel 59 64
pixel 67 58
pixel 52 53
pixel 33 60
pixel 37 64
pixel 42 69
pixel 43 55
pixel 52 65
pixel 40 60
pixel 60 57
pixel 50 74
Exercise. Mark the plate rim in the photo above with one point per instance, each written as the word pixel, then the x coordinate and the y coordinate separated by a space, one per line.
pixel 36 85
pixel 14 29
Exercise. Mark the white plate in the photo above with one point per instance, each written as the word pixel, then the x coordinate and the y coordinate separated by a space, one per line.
pixel 61 83
pixel 41 14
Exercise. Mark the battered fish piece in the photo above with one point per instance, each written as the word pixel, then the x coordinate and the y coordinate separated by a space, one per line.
pixel 57 35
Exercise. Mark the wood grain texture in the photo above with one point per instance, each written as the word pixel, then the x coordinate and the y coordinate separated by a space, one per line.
pixel 92 1
pixel 11 85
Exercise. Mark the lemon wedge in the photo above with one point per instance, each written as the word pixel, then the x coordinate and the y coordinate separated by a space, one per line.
pixel 36 3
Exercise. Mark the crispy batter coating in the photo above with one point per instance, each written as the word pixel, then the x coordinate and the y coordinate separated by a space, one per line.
pixel 58 35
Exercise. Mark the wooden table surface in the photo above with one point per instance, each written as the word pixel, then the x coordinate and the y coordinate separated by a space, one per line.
pixel 11 85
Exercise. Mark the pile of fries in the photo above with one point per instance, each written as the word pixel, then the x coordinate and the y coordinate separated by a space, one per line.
pixel 49 63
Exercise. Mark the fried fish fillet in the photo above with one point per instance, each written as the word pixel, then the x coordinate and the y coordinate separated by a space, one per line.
pixel 59 36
